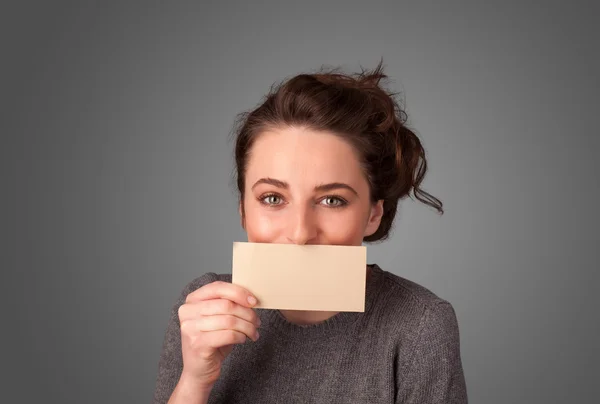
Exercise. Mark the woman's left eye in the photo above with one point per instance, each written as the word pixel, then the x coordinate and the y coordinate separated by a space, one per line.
pixel 333 201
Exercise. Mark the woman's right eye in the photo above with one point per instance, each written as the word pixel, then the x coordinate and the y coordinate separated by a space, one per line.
pixel 271 200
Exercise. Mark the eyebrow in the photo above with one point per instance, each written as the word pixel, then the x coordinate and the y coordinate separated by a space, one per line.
pixel 335 185
pixel 271 181
pixel 321 188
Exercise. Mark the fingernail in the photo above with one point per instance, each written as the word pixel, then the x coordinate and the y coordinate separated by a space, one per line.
pixel 252 300
pixel 256 335
pixel 259 322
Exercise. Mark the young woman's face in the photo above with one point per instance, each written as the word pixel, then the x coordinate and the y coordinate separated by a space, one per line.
pixel 306 187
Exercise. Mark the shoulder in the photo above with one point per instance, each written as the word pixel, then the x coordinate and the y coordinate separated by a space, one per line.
pixel 420 309
pixel 402 293
pixel 426 340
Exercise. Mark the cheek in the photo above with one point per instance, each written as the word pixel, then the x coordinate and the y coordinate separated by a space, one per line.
pixel 262 227
pixel 345 227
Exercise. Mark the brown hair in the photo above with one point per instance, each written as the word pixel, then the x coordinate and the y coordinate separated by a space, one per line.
pixel 357 108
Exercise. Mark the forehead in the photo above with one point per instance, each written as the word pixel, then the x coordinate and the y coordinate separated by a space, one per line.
pixel 303 156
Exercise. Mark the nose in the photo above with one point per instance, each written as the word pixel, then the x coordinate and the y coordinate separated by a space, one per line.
pixel 302 226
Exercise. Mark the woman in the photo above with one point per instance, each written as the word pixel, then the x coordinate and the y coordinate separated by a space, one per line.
pixel 323 160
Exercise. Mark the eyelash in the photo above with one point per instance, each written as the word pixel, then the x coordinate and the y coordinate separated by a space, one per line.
pixel 342 201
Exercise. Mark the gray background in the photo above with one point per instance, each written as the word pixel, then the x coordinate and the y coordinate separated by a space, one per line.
pixel 116 166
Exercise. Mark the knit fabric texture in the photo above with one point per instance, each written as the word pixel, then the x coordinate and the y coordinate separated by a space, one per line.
pixel 404 348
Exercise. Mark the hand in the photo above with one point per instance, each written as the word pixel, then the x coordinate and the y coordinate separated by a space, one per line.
pixel 213 319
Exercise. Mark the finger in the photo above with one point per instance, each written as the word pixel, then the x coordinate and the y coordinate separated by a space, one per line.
pixel 221 338
pixel 214 307
pixel 226 322
pixel 223 290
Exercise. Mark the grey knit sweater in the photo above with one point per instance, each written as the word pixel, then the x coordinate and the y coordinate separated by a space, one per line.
pixel 403 349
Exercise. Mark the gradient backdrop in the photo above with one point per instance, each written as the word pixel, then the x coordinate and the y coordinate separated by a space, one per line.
pixel 117 190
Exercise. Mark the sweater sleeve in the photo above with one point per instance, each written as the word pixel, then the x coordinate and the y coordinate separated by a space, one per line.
pixel 170 362
pixel 435 375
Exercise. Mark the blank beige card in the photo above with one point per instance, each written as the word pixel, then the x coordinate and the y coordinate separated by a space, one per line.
pixel 302 277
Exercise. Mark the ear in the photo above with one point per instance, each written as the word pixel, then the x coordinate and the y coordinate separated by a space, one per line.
pixel 242 216
pixel 374 218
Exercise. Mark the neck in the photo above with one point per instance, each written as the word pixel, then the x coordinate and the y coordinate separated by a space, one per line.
pixel 300 317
